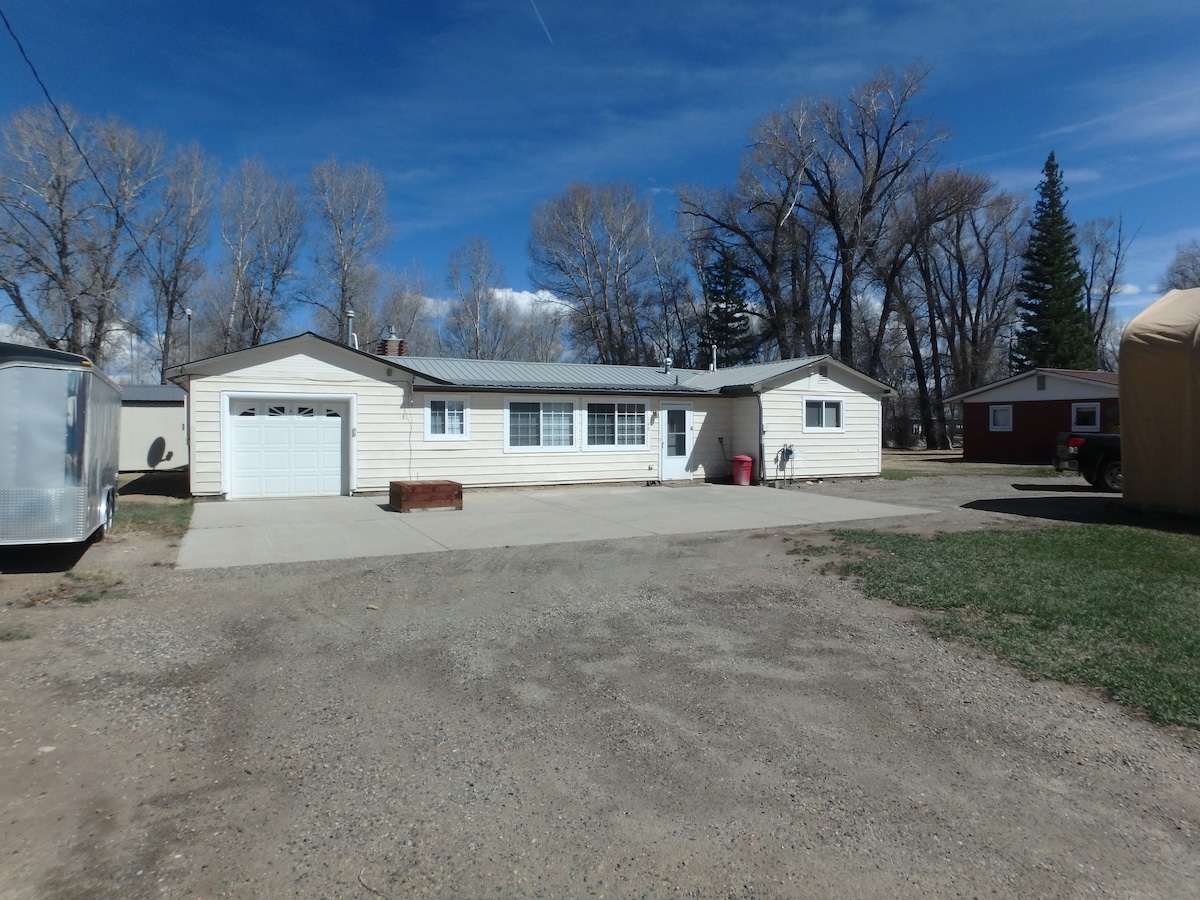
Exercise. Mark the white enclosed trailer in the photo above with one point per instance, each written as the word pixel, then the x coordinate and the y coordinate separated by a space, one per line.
pixel 59 443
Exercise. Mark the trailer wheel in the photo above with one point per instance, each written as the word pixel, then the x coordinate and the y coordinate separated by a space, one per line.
pixel 110 510
pixel 1109 478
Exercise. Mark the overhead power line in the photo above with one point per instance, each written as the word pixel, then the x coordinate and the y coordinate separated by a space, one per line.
pixel 116 208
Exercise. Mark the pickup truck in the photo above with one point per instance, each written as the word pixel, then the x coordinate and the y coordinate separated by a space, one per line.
pixel 1097 457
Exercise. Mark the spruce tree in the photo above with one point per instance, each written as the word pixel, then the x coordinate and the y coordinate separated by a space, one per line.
pixel 1055 330
pixel 726 321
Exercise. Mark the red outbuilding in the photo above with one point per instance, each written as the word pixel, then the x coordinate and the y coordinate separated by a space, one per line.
pixel 1017 420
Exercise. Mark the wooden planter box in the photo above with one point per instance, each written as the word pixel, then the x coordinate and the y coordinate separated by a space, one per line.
pixel 406 496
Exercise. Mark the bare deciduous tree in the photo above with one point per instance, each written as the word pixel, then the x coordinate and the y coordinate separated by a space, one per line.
pixel 481 325
pixel 350 213
pixel 262 224
pixel 760 221
pixel 1103 247
pixel 589 248
pixel 865 151
pixel 814 198
pixel 69 249
pixel 404 304
pixel 176 244
pixel 541 331
pixel 1184 271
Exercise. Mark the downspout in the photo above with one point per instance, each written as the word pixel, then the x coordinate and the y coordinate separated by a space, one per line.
pixel 762 447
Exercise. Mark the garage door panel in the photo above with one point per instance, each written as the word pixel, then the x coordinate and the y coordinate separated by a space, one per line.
pixel 281 449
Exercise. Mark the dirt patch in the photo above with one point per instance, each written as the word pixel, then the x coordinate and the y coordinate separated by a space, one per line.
pixel 705 715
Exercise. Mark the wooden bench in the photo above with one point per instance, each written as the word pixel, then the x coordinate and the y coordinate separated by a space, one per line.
pixel 406 496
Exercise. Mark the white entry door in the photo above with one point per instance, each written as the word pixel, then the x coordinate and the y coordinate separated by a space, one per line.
pixel 287 448
pixel 675 436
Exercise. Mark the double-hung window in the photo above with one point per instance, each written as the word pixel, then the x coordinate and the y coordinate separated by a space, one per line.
pixel 823 415
pixel 540 424
pixel 447 419
pixel 616 425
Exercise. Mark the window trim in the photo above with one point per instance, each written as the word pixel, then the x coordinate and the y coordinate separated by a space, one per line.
pixel 822 429
pixel 1076 407
pixel 465 400
pixel 573 402
pixel 615 447
pixel 992 410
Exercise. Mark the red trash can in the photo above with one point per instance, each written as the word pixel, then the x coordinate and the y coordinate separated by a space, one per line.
pixel 742 467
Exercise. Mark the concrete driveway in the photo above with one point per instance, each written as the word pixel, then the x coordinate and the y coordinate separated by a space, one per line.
pixel 252 532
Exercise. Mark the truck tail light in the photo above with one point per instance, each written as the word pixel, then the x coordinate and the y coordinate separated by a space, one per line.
pixel 1075 443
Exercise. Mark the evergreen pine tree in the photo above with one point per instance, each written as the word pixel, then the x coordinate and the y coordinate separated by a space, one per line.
pixel 726 322
pixel 1055 330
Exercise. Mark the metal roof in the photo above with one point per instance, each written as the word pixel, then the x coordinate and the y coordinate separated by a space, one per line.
pixel 483 373
pixel 746 376
pixel 153 393
pixel 486 374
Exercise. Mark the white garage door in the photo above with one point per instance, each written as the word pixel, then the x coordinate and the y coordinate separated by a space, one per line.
pixel 287 448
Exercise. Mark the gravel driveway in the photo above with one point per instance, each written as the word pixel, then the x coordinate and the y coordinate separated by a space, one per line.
pixel 695 715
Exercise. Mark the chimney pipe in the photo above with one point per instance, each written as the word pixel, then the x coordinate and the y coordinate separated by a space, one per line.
pixel 392 345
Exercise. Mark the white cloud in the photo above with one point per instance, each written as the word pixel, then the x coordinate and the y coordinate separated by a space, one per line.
pixel 525 300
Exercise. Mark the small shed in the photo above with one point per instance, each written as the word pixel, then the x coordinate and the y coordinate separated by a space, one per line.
pixel 153 428
pixel 1016 420
pixel 1160 392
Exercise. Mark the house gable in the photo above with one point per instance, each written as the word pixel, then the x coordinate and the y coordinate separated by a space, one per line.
pixel 1044 384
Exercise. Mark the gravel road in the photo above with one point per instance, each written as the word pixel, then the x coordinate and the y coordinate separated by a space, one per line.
pixel 697 716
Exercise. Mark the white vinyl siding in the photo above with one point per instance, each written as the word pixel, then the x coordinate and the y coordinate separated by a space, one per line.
pixel 853 449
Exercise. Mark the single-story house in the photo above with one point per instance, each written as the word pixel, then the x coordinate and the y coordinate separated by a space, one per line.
pixel 308 416
pixel 1160 392
pixel 1017 419
pixel 153 428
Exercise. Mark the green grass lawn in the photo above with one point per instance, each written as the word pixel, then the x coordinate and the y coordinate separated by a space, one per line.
pixel 1105 605
pixel 166 517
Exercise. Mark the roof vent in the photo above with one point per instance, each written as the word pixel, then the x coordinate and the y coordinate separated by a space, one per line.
pixel 667 363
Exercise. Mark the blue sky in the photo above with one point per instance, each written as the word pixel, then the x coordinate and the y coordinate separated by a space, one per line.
pixel 477 110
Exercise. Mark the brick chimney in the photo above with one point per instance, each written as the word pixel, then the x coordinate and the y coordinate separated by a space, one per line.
pixel 391 345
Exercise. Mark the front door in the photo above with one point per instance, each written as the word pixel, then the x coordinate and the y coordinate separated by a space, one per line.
pixel 675 436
